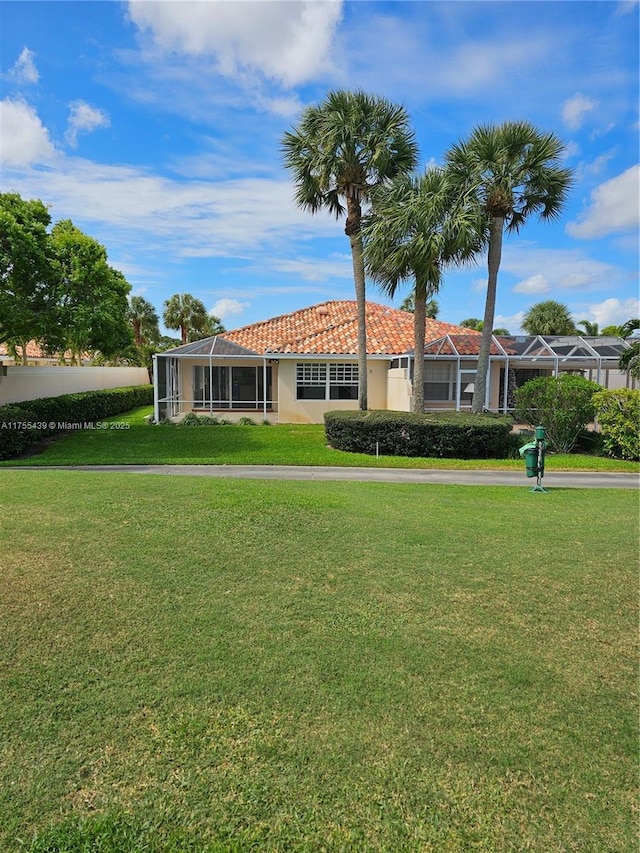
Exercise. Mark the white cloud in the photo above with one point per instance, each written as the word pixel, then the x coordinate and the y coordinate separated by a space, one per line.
pixel 23 138
pixel 613 208
pixel 24 71
pixel 226 307
pixel 510 321
pixel 534 284
pixel 615 312
pixel 174 218
pixel 83 118
pixel 575 109
pixel 288 42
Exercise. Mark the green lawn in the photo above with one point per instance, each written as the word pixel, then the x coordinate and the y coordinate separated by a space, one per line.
pixel 286 444
pixel 228 666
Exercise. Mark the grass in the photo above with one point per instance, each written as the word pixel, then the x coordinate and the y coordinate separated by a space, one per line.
pixel 286 444
pixel 227 666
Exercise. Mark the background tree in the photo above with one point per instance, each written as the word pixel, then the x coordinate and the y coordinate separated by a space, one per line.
pixel 91 297
pixel 431 307
pixel 612 331
pixel 514 171
pixel 418 225
pixel 590 328
pixel 548 318
pixel 630 358
pixel 340 150
pixel 185 313
pixel 144 321
pixel 209 327
pixel 26 276
pixel 472 323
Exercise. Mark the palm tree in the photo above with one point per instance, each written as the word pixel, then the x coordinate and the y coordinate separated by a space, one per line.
pixel 515 172
pixel 416 228
pixel 548 318
pixel 184 312
pixel 590 328
pixel 144 319
pixel 340 150
pixel 431 308
pixel 472 323
pixel 630 358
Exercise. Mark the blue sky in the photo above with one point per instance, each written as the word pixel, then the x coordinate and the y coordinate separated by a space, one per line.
pixel 156 128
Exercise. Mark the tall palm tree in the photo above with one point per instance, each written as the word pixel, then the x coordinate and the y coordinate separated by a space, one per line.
pixel 515 171
pixel 418 225
pixel 144 319
pixel 184 312
pixel 340 150
pixel 548 318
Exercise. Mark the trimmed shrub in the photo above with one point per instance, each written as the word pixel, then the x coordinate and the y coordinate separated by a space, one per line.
pixel 24 424
pixel 446 435
pixel 562 404
pixel 618 413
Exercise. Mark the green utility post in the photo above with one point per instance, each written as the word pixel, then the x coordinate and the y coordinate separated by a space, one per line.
pixel 533 454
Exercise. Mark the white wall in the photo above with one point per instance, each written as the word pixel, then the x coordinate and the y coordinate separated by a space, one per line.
pixel 31 383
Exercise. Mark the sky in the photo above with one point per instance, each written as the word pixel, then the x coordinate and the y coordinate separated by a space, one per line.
pixel 157 126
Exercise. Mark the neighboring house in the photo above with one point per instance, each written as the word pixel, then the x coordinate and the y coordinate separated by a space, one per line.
pixel 296 367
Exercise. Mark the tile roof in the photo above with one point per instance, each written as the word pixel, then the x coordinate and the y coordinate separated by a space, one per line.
pixel 331 328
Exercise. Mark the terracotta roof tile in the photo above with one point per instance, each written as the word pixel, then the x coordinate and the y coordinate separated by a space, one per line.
pixel 331 328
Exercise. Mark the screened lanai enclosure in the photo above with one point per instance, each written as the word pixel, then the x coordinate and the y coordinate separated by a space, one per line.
pixel 451 364
pixel 217 376
pixel 211 376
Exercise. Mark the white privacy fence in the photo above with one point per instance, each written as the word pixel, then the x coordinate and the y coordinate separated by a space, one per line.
pixel 18 384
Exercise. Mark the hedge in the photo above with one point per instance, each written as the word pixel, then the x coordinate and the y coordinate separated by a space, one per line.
pixel 446 435
pixel 24 424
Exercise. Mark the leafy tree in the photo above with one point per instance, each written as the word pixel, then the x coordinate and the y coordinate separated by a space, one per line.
pixel 340 150
pixel 548 318
pixel 185 313
pixel 419 225
pixel 500 330
pixel 515 171
pixel 590 329
pixel 563 404
pixel 144 320
pixel 91 310
pixel 472 323
pixel 431 308
pixel 25 271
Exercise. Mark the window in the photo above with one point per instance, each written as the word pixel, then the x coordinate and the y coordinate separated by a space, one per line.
pixel 311 381
pixel 318 381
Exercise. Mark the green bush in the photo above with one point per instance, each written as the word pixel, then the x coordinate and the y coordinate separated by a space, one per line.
pixel 562 404
pixel 618 413
pixel 446 435
pixel 24 424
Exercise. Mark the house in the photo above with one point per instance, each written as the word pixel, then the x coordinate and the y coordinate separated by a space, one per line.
pixel 295 367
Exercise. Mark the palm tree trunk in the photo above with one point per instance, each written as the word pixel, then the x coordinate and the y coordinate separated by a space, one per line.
pixel 352 230
pixel 496 228
pixel 419 315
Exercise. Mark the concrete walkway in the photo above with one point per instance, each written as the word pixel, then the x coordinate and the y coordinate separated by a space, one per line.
pixel 555 479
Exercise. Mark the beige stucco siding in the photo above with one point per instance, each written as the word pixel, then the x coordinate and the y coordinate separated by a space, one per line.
pixel 292 410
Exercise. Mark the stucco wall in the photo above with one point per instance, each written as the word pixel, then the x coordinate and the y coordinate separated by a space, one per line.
pixel 31 383
pixel 399 390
